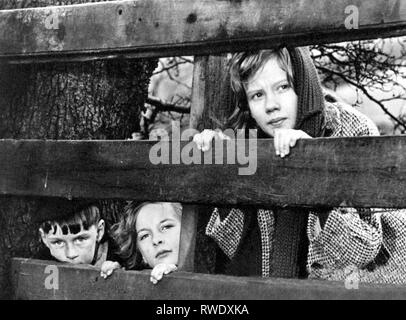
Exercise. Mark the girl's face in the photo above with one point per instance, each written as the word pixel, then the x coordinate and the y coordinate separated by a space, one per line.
pixel 271 99
pixel 158 233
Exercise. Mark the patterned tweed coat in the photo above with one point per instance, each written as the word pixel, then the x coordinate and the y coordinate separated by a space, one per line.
pixel 368 242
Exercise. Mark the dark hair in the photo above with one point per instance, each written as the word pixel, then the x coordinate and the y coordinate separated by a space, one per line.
pixel 85 218
pixel 124 234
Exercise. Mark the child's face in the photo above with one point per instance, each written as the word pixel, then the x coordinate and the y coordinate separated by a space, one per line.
pixel 272 100
pixel 158 233
pixel 76 248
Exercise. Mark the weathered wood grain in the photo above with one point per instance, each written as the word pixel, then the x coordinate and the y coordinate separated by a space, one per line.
pixel 198 92
pixel 362 171
pixel 85 283
pixel 187 246
pixel 187 243
pixel 146 28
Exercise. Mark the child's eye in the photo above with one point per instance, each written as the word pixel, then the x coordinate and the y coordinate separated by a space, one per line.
pixel 166 227
pixel 256 95
pixel 284 87
pixel 143 236
pixel 80 239
pixel 58 243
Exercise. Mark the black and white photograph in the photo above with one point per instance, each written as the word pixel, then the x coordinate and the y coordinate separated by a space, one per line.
pixel 196 155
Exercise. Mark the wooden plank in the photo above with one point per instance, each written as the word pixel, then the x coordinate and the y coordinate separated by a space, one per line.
pixel 145 28
pixel 188 234
pixel 361 172
pixel 210 102
pixel 188 239
pixel 84 282
pixel 198 91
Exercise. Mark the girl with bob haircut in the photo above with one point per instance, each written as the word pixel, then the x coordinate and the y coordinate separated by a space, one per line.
pixel 278 92
pixel 147 236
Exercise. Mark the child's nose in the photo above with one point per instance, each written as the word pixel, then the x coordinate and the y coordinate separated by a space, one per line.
pixel 271 105
pixel 71 252
pixel 157 241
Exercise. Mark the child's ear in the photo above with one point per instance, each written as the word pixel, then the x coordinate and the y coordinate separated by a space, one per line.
pixel 43 237
pixel 100 229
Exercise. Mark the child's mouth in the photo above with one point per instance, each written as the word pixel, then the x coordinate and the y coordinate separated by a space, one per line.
pixel 277 122
pixel 162 254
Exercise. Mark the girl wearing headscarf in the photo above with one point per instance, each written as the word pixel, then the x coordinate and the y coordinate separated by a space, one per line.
pixel 278 92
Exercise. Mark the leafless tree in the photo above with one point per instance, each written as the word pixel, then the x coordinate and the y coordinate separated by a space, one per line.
pixel 376 68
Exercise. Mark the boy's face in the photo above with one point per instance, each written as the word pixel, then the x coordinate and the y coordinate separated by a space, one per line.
pixel 158 233
pixel 67 245
pixel 271 99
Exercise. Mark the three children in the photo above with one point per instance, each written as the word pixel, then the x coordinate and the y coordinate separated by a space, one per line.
pixel 279 94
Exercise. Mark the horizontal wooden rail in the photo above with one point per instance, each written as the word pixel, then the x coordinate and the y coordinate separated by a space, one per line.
pixel 361 172
pixel 146 28
pixel 36 279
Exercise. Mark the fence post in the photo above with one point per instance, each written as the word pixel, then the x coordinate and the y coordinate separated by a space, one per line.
pixel 211 106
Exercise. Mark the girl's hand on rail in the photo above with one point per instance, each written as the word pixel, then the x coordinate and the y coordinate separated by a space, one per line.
pixel 108 267
pixel 160 270
pixel 284 139
pixel 205 138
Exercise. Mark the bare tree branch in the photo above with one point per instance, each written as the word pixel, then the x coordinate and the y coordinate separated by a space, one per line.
pixel 165 106
pixel 367 94
pixel 165 69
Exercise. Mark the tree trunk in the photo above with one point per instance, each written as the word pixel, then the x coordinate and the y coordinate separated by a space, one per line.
pixel 89 100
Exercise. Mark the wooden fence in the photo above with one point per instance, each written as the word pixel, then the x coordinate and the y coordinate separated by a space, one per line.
pixel 361 172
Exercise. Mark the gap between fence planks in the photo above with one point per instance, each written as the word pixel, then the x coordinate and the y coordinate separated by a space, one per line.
pixel 187 244
pixel 84 282
pixel 360 172
pixel 147 28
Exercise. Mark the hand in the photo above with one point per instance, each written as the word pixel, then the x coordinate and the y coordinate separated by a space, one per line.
pixel 284 139
pixel 108 267
pixel 161 269
pixel 135 136
pixel 205 138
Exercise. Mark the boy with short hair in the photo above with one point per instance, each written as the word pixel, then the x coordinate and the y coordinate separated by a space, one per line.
pixel 73 231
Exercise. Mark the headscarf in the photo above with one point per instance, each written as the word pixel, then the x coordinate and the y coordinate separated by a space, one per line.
pixel 310 111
